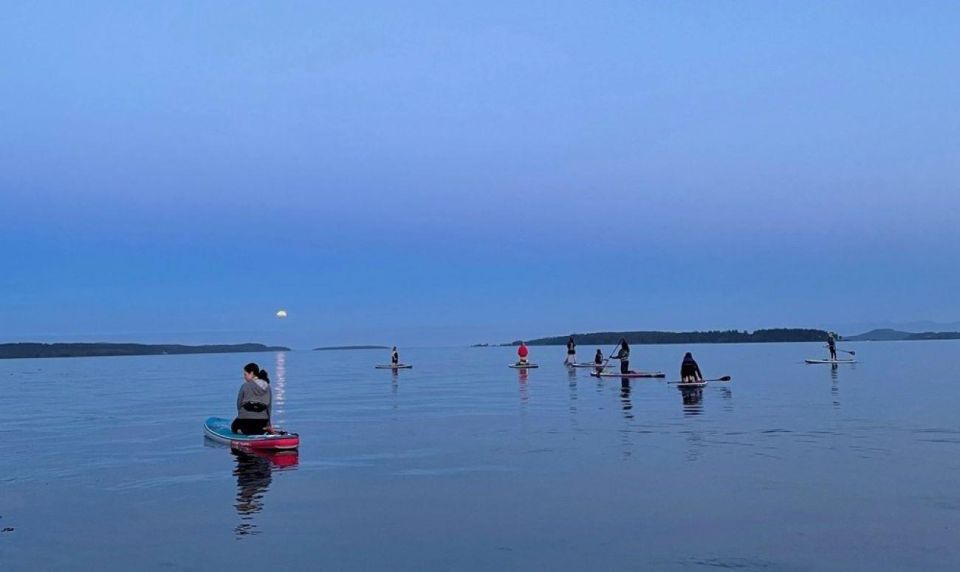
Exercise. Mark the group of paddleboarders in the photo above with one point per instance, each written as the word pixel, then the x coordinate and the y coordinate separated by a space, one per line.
pixel 254 402
pixel 689 369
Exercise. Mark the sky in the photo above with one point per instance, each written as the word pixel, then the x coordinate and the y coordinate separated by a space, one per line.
pixel 430 173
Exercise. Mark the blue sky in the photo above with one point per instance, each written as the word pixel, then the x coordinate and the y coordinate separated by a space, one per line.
pixel 435 174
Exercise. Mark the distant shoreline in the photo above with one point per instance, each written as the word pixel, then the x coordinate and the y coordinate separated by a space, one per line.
pixel 30 350
pixel 774 335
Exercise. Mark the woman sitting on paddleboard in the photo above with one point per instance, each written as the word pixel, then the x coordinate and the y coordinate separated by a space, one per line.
pixel 624 356
pixel 522 353
pixel 253 402
pixel 598 359
pixel 689 370
pixel 571 352
pixel 395 356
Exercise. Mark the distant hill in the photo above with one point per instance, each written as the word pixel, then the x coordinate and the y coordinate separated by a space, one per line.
pixel 711 337
pixel 934 336
pixel 880 335
pixel 328 348
pixel 38 350
pixel 886 335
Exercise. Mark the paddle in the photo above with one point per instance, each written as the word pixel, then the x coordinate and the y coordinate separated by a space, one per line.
pixel 604 364
pixel 724 378
pixel 844 351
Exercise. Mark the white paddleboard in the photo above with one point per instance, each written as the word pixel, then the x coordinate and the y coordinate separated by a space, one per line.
pixel 630 375
pixel 830 361
pixel 398 366
pixel 523 366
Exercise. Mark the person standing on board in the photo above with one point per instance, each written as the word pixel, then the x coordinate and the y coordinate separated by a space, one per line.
pixel 522 353
pixel 689 370
pixel 571 352
pixel 395 357
pixel 624 356
pixel 832 345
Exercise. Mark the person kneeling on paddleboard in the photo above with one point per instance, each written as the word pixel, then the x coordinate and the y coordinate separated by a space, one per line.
pixel 522 353
pixel 689 370
pixel 624 356
pixel 571 352
pixel 598 359
pixel 832 345
pixel 253 402
pixel 395 356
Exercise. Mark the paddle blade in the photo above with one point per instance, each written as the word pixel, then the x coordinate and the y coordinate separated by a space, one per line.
pixel 725 378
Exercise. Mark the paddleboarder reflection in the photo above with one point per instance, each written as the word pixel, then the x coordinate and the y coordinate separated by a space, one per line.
pixel 625 399
pixel 254 472
pixel 692 400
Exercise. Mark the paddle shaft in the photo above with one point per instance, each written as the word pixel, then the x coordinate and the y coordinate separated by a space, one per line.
pixel 844 351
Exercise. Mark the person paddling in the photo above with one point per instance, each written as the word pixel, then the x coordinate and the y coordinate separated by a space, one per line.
pixel 832 345
pixel 395 356
pixel 522 354
pixel 253 402
pixel 624 356
pixel 571 352
pixel 689 370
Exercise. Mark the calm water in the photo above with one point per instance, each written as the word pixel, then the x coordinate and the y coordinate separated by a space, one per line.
pixel 463 463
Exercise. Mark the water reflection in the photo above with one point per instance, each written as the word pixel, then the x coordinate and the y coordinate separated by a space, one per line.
pixel 279 384
pixel 522 378
pixel 692 400
pixel 254 472
pixel 625 402
pixel 834 387
pixel 572 386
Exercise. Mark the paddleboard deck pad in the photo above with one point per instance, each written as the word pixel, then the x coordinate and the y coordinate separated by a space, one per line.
pixel 218 429
pixel 830 361
pixel 630 375
pixel 692 385
pixel 398 366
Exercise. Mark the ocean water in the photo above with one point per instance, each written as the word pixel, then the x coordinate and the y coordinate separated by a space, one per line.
pixel 462 463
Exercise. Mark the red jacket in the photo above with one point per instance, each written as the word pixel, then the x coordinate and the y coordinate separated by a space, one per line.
pixel 523 351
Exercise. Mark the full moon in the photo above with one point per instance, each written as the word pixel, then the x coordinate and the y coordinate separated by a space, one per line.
pixel 281 314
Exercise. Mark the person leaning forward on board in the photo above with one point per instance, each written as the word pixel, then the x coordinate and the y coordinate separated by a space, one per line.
pixel 522 354
pixel 689 370
pixel 253 402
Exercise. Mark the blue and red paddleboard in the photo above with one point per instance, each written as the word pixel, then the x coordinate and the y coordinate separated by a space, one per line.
pixel 218 429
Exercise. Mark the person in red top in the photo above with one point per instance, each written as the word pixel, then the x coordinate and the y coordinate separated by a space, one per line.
pixel 522 353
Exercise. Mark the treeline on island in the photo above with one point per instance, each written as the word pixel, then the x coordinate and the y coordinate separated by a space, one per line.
pixel 40 350
pixel 710 337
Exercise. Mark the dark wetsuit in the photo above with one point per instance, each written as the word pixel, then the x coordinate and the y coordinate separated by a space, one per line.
pixel 690 370
pixel 832 344
pixel 395 358
pixel 624 357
